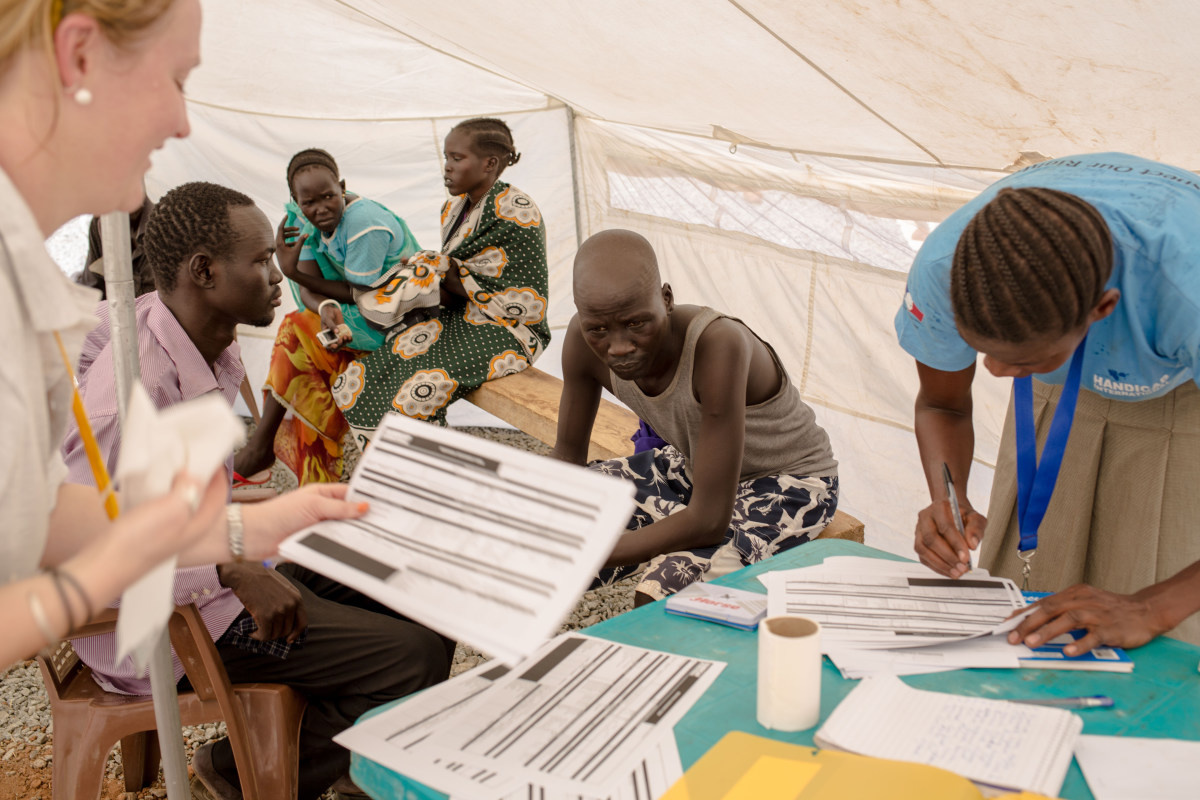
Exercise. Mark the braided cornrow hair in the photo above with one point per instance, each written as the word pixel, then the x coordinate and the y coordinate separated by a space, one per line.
pixel 1031 264
pixel 491 137
pixel 305 159
pixel 188 219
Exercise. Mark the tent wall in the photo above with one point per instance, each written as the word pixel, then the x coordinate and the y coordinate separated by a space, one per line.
pixel 813 255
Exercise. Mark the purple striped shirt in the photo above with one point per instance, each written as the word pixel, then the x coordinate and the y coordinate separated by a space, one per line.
pixel 172 371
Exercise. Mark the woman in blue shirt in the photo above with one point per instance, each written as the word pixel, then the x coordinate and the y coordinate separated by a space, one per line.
pixel 330 242
pixel 1098 255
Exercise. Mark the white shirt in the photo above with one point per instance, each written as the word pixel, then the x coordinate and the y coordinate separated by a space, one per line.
pixel 36 299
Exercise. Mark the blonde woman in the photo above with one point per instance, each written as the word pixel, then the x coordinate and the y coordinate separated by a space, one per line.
pixel 88 89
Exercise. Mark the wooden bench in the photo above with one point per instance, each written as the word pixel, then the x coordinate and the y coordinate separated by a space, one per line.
pixel 528 401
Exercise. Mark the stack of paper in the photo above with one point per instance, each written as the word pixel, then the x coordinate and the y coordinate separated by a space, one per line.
pixel 894 617
pixel 583 717
pixel 993 742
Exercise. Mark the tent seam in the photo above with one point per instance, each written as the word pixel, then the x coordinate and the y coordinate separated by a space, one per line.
pixel 436 117
pixel 846 91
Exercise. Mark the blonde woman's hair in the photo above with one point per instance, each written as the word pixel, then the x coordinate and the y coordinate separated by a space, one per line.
pixel 31 23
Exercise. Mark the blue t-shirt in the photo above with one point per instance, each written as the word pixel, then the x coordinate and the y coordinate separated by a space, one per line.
pixel 379 238
pixel 1150 344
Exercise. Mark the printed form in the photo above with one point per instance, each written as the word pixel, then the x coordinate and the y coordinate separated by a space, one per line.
pixel 583 717
pixel 484 543
pixel 874 603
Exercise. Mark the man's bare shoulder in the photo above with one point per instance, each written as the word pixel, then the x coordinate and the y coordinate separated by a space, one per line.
pixel 724 338
pixel 726 348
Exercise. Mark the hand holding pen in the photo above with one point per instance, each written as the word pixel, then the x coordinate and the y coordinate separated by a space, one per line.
pixel 957 512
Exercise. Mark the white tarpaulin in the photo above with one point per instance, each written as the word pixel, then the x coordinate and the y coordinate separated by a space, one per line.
pixel 858 126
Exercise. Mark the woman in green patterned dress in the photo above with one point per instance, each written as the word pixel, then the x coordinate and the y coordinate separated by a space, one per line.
pixel 482 299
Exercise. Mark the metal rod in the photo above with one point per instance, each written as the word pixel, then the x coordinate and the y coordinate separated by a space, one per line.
pixel 118 282
pixel 576 172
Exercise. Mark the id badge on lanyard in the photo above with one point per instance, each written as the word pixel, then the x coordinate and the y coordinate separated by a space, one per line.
pixel 1035 482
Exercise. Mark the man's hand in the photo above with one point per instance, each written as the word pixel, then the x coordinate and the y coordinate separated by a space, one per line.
pixel 271 599
pixel 1117 620
pixel 938 544
pixel 287 253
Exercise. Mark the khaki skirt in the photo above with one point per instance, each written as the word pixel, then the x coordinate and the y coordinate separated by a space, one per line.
pixel 1125 512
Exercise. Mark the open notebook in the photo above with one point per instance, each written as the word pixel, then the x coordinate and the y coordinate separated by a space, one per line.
pixel 992 742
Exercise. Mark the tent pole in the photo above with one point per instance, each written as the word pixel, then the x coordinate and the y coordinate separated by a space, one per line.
pixel 576 188
pixel 118 281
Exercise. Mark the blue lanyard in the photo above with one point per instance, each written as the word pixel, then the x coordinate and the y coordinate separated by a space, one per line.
pixel 1035 482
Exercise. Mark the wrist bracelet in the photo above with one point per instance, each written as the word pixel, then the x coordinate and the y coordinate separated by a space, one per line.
pixel 66 601
pixel 237 531
pixel 38 612
pixel 78 587
pixel 321 305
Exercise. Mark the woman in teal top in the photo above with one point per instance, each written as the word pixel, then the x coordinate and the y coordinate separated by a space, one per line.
pixel 330 243
pixel 1094 261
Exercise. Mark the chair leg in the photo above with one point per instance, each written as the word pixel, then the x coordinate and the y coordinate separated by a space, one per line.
pixel 139 760
pixel 274 740
pixel 78 767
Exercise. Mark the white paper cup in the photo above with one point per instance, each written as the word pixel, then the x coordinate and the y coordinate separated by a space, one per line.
pixel 789 673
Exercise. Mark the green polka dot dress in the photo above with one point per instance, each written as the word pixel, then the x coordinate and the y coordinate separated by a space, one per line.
pixel 499 251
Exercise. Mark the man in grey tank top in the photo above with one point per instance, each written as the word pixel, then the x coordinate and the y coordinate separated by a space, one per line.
pixel 746 471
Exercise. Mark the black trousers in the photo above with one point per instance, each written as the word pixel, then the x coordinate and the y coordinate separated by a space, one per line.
pixel 357 654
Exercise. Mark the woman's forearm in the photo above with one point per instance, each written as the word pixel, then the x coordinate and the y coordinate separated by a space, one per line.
pixel 1175 599
pixel 336 290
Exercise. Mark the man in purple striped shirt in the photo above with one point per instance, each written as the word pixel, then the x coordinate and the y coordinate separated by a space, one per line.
pixel 212 252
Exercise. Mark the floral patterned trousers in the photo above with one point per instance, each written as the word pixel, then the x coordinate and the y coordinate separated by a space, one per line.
pixel 770 515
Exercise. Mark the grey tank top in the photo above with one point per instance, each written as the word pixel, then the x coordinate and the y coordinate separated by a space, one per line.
pixel 782 434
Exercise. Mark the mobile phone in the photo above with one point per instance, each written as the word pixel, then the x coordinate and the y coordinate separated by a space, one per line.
pixel 328 338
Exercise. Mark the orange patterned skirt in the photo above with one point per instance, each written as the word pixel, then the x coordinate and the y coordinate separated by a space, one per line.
pixel 309 441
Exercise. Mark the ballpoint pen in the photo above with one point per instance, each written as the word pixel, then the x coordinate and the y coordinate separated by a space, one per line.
pixel 958 521
pixel 1091 701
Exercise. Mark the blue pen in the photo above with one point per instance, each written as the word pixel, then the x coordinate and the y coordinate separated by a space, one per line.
pixel 1091 701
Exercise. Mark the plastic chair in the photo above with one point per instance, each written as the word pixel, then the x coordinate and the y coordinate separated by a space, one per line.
pixel 88 721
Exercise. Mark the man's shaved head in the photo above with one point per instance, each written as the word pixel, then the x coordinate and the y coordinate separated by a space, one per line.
pixel 615 264
pixel 624 309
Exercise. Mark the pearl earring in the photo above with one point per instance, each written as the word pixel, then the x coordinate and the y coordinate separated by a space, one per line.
pixel 83 96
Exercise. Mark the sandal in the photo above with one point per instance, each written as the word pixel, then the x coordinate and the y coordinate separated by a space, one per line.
pixel 257 479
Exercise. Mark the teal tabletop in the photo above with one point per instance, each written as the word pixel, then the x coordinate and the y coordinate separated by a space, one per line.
pixel 1161 698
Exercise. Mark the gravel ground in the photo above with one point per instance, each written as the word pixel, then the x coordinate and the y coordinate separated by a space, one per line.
pixel 27 733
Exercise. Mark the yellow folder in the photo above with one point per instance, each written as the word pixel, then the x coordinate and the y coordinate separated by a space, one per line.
pixel 746 767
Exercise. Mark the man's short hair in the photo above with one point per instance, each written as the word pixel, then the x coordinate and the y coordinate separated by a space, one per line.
pixel 189 219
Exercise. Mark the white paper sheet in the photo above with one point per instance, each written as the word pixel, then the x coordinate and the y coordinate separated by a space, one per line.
pixel 395 738
pixel 583 717
pixel 1129 768
pixel 873 603
pixel 987 652
pixel 197 437
pixel 484 543
pixel 1001 744
pixel 579 712
pixel 650 778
